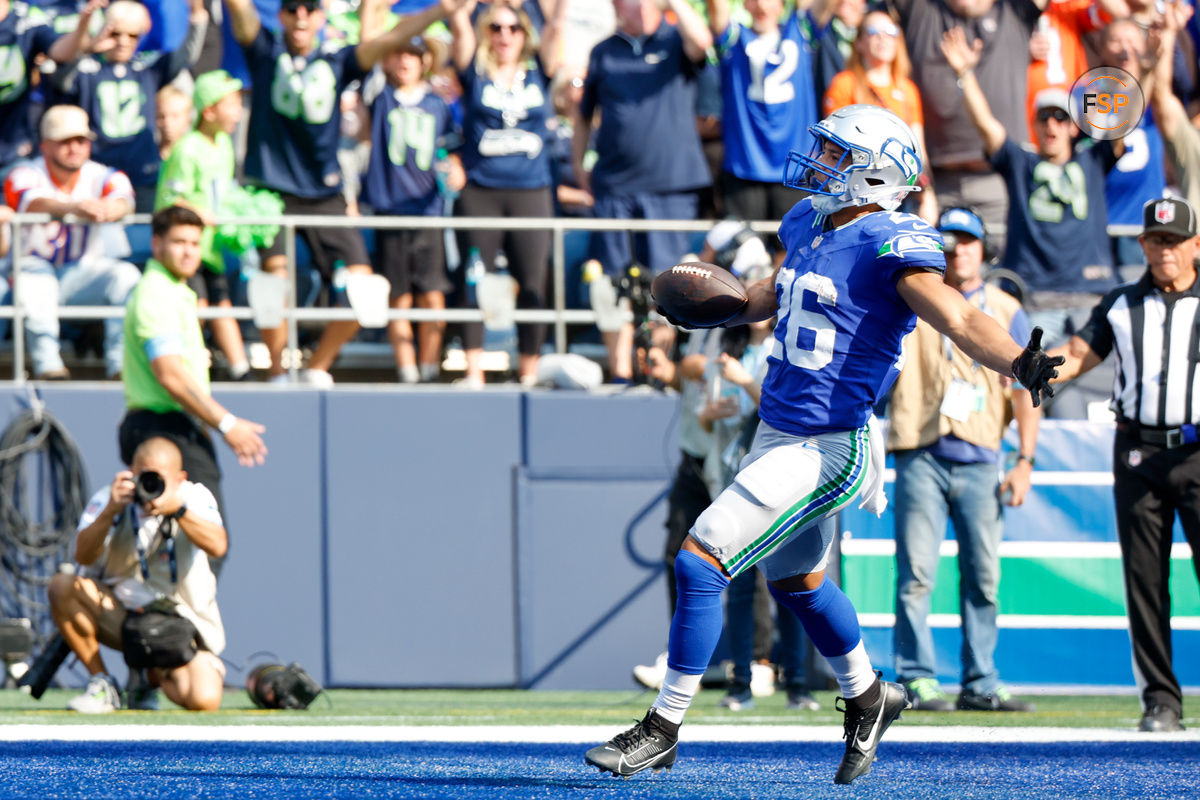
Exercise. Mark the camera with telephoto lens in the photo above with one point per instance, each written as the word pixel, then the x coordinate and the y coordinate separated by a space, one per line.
pixel 148 487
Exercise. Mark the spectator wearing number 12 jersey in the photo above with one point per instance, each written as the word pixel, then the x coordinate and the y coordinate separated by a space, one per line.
pixel 768 102
pixel 292 149
pixel 119 90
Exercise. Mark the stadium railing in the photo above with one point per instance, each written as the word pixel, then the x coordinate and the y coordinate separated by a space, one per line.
pixel 558 315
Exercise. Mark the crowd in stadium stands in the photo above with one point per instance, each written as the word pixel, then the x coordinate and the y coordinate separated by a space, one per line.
pixel 689 109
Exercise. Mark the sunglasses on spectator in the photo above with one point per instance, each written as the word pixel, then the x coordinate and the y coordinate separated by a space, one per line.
pixel 293 7
pixel 496 27
pixel 883 30
pixel 1046 114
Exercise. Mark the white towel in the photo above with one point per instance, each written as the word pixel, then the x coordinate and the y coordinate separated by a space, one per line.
pixel 874 499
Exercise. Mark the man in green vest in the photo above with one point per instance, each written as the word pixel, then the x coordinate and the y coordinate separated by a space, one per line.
pixel 166 364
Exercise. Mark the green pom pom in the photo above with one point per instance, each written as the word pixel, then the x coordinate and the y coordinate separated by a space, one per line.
pixel 247 202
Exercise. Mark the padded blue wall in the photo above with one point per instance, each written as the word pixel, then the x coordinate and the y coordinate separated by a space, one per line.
pixel 426 537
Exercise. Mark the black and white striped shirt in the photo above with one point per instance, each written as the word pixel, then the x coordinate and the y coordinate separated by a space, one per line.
pixel 1156 336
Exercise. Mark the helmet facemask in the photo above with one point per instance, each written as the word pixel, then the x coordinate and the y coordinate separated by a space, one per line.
pixel 880 175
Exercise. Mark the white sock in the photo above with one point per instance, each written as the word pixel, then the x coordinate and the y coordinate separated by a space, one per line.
pixel 409 374
pixel 853 671
pixel 429 373
pixel 236 371
pixel 676 695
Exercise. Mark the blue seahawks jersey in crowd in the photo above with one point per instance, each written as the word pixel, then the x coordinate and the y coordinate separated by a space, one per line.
pixel 1138 177
pixel 295 105
pixel 505 135
pixel 121 103
pixel 406 132
pixel 768 99
pixel 22 38
pixel 841 319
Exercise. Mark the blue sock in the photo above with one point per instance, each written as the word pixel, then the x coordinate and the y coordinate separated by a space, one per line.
pixel 828 617
pixel 696 626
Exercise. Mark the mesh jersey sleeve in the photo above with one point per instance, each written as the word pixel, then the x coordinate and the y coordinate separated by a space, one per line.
pixel 903 242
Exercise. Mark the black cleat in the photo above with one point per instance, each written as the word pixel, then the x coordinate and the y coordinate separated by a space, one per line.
pixel 865 728
pixel 1160 719
pixel 651 744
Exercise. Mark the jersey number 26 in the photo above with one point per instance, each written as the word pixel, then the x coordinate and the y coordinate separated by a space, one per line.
pixel 795 318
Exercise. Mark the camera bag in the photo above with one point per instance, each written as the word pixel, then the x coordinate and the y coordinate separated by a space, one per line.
pixel 154 638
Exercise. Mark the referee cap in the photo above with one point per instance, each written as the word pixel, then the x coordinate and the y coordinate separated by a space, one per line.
pixel 1169 215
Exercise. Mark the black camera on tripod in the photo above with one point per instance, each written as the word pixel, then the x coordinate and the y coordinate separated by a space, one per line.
pixel 148 486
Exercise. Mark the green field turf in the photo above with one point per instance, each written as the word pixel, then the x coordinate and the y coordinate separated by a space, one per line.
pixel 514 707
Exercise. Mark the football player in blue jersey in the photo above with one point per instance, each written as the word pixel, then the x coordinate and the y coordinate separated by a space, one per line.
pixel 855 276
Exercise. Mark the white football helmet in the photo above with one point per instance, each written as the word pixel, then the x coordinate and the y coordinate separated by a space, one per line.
pixel 879 163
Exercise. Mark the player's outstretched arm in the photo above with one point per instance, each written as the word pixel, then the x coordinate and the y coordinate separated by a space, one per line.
pixel 977 334
pixel 980 336
pixel 761 303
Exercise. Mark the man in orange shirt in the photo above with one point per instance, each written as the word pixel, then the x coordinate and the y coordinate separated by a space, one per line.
pixel 1056 48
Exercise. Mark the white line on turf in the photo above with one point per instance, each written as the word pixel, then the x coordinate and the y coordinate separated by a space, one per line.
pixel 552 734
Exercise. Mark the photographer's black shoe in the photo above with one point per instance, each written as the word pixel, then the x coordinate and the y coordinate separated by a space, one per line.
pixel 1160 719
pixel 864 728
pixel 651 744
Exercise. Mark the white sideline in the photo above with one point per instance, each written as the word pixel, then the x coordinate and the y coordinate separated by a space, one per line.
pixel 556 734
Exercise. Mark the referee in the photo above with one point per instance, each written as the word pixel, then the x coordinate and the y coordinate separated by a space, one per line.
pixel 1153 326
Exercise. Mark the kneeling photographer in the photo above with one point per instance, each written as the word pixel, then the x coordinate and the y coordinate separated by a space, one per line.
pixel 145 543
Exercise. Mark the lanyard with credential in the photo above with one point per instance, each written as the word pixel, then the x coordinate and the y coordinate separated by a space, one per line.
pixel 166 529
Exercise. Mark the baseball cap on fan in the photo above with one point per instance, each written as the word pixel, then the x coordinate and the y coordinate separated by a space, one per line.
pixel 1053 97
pixel 60 123
pixel 1169 215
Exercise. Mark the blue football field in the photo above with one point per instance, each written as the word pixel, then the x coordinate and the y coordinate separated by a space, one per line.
pixel 1127 767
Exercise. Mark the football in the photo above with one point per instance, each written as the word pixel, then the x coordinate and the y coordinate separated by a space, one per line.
pixel 699 294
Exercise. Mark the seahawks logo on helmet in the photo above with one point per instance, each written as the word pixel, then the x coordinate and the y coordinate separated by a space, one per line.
pixel 908 243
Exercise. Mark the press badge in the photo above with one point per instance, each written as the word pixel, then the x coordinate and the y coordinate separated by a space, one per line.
pixel 962 398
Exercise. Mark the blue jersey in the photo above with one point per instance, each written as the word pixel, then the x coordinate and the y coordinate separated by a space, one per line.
pixel 1139 176
pixel 505 135
pixel 296 116
pixel 645 91
pixel 1056 228
pixel 768 99
pixel 22 38
pixel 841 319
pixel 406 132
pixel 120 100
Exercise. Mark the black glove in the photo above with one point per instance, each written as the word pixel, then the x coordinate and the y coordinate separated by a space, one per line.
pixel 1034 369
pixel 676 322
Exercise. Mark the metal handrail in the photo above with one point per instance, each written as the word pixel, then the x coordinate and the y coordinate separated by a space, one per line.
pixel 559 315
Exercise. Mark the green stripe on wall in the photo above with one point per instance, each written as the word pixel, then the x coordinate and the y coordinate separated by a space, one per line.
pixel 1028 586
